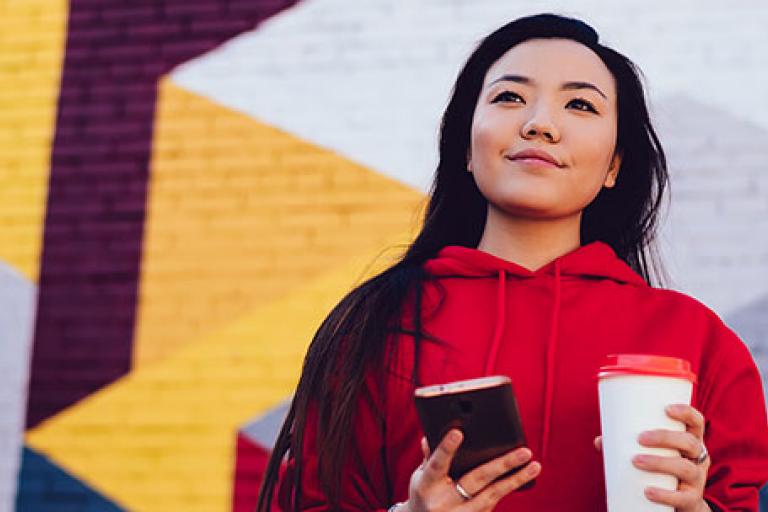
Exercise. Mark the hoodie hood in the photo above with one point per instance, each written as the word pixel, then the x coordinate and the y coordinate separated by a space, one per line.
pixel 596 260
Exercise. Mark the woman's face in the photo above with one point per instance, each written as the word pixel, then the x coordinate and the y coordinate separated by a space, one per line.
pixel 552 95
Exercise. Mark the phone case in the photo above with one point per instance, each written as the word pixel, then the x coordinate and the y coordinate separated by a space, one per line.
pixel 484 409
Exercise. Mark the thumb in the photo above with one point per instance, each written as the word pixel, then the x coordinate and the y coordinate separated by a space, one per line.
pixel 599 443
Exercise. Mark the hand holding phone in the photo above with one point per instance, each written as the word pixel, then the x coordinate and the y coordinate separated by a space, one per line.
pixel 484 486
pixel 486 412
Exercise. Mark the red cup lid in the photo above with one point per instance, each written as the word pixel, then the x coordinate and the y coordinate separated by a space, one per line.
pixel 644 364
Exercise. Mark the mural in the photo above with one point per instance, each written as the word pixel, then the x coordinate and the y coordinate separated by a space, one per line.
pixel 189 187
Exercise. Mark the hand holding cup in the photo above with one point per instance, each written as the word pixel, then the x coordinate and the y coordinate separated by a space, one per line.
pixel 690 469
pixel 643 438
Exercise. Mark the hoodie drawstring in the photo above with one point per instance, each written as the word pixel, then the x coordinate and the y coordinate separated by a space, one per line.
pixel 501 309
pixel 550 372
pixel 550 352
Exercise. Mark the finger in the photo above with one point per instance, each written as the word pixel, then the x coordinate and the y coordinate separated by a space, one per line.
pixel 685 470
pixel 688 444
pixel 485 474
pixel 440 460
pixel 599 443
pixel 692 418
pixel 424 448
pixel 676 499
pixel 491 495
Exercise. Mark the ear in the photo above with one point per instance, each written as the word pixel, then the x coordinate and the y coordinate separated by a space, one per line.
pixel 613 171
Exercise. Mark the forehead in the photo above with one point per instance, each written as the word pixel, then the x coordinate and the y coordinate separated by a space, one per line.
pixel 549 62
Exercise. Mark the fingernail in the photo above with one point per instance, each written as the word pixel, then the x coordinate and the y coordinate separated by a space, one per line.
pixel 640 459
pixel 533 468
pixel 455 437
pixel 523 455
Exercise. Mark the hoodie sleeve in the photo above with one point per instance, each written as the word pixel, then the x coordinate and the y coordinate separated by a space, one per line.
pixel 364 484
pixel 736 429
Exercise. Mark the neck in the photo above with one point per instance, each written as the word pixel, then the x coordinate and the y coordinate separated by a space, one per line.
pixel 529 242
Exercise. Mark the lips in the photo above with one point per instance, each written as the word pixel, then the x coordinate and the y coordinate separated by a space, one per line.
pixel 535 154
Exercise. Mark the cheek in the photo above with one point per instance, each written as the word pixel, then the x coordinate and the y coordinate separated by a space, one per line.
pixel 490 134
pixel 481 139
pixel 592 150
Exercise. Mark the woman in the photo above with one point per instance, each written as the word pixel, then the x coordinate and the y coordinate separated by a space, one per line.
pixel 534 261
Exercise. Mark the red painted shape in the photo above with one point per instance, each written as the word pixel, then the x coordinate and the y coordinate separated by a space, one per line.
pixel 250 466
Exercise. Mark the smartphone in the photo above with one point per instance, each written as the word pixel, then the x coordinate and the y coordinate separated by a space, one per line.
pixel 486 412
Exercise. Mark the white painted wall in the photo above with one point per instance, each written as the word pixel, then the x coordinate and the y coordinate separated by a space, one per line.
pixel 370 79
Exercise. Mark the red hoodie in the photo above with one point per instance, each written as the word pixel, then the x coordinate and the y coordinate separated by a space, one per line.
pixel 549 330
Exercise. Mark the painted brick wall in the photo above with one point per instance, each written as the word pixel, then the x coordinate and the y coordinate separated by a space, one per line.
pixel 189 186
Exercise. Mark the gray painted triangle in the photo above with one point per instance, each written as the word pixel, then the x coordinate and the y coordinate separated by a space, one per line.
pixel 264 428
pixel 18 298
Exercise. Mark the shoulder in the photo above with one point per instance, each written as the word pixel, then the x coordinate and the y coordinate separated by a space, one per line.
pixel 682 306
pixel 686 314
pixel 678 300
pixel 725 357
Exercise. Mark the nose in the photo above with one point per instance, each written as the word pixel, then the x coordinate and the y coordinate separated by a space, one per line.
pixel 540 125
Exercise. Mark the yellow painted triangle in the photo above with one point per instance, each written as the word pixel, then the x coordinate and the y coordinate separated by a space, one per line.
pixel 245 253
pixel 241 213
pixel 163 438
pixel 32 36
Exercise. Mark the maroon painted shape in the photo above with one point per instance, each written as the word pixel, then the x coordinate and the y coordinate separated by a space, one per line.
pixel 89 275
pixel 250 466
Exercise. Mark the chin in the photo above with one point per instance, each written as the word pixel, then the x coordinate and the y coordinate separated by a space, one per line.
pixel 530 210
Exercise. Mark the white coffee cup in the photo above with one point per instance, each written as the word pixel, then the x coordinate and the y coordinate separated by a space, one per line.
pixel 634 390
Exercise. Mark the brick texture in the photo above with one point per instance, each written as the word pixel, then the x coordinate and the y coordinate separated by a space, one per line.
pixel 184 227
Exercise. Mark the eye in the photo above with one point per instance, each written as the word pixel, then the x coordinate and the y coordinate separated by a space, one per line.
pixel 503 96
pixel 586 106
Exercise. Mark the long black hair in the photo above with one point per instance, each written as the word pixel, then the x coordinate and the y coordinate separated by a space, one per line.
pixel 351 340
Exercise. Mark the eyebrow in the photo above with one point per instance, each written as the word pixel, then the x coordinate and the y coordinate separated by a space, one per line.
pixel 566 86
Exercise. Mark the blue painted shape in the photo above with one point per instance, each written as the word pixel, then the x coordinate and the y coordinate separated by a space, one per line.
pixel 45 487
pixel 764 499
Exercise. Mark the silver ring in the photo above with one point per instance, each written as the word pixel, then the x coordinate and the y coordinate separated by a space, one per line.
pixel 463 492
pixel 702 456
